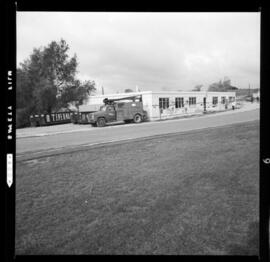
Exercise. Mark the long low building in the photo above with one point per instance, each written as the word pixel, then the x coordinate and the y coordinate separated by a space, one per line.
pixel 170 104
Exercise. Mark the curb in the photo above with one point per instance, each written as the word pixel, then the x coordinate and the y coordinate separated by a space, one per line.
pixel 180 118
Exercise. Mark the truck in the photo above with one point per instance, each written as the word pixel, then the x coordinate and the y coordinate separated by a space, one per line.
pixel 127 109
pixel 80 117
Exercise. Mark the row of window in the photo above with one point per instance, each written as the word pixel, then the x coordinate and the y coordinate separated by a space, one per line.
pixel 179 101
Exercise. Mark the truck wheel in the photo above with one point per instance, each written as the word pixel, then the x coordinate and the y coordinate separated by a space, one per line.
pixel 137 118
pixel 101 122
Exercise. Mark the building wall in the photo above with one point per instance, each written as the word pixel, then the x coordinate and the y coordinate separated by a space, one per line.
pixel 147 100
pixel 187 109
pixel 256 95
pixel 172 110
pixel 94 102
pixel 151 102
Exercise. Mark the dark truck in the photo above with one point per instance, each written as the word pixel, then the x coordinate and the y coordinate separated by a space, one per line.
pixel 115 110
pixel 80 117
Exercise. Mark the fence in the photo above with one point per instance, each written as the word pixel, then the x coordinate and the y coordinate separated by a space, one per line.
pixel 50 119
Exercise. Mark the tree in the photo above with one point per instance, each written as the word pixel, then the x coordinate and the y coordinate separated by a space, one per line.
pixel 76 93
pixel 227 82
pixel 217 86
pixel 222 86
pixel 45 96
pixel 128 90
pixel 46 80
pixel 197 88
pixel 23 89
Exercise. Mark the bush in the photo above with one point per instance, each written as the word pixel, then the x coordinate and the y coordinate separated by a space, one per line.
pixel 22 117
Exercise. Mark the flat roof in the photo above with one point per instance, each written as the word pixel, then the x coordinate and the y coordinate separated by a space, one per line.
pixel 163 92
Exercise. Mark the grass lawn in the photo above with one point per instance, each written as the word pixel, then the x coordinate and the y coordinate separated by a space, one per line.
pixel 186 194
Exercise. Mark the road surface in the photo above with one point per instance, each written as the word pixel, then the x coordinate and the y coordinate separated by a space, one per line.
pixel 27 146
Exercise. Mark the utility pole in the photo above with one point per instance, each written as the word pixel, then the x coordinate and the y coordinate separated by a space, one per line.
pixel 250 96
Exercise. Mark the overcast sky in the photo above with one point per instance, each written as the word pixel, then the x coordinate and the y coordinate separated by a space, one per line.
pixel 155 51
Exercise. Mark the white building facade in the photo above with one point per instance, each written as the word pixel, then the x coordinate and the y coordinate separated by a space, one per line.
pixel 171 104
pixel 256 95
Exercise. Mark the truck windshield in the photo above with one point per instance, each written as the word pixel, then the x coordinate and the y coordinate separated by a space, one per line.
pixel 103 108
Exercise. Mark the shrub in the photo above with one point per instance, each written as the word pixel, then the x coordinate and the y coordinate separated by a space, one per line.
pixel 22 117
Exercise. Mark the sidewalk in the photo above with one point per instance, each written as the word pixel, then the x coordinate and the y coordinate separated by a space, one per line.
pixel 50 130
pixel 245 106
pixel 70 128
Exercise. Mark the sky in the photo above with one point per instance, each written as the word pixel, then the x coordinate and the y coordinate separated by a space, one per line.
pixel 153 51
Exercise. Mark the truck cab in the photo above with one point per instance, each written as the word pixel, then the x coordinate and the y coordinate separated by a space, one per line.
pixel 117 110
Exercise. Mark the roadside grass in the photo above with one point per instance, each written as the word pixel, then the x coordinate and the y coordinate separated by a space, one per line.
pixel 184 194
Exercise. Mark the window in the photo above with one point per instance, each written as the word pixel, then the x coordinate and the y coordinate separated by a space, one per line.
pixel 215 100
pixel 109 108
pixel 223 100
pixel 120 105
pixel 163 103
pixel 192 100
pixel 231 98
pixel 179 102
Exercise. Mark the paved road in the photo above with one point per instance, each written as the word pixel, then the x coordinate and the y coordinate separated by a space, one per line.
pixel 34 145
